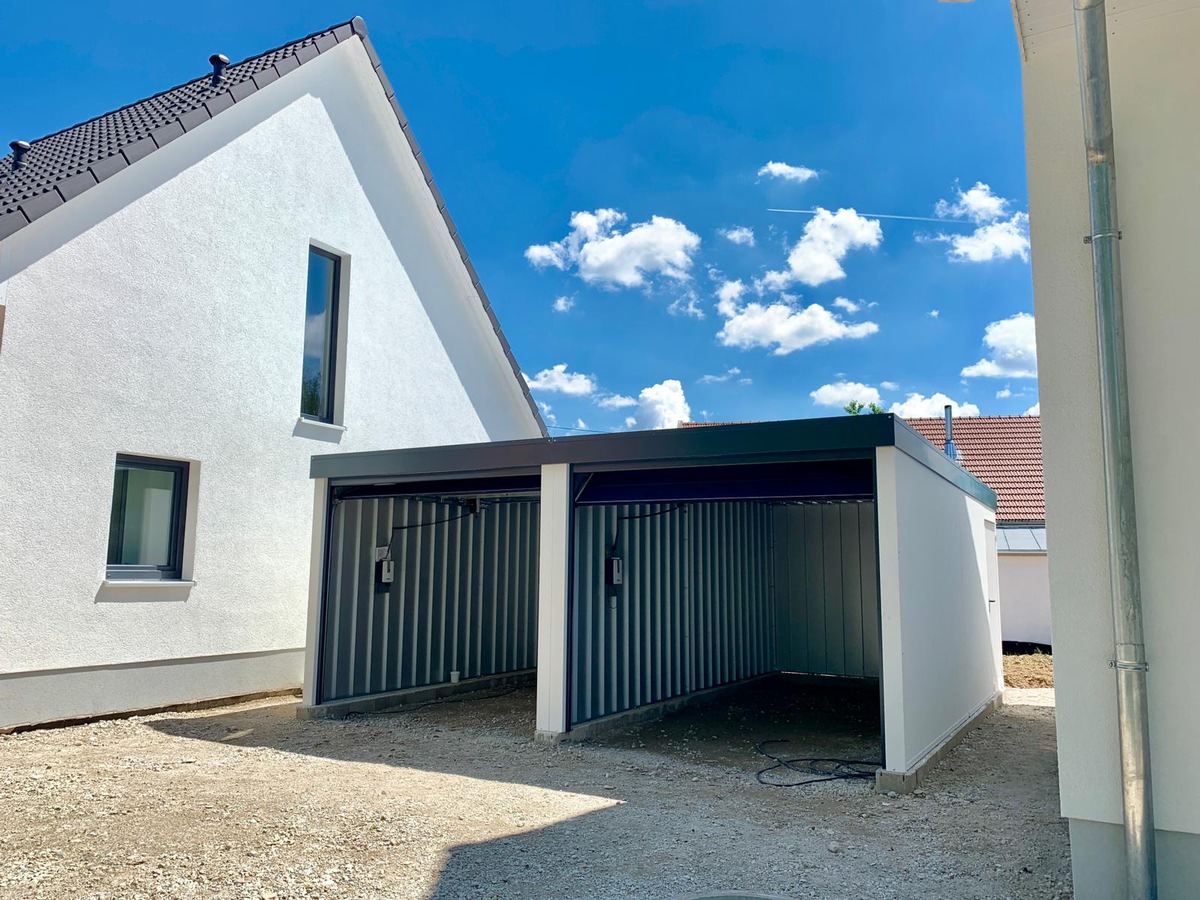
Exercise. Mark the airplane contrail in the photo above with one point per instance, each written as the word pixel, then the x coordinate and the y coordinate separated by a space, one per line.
pixel 813 212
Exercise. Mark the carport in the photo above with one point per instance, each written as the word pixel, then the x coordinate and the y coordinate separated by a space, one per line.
pixel 639 571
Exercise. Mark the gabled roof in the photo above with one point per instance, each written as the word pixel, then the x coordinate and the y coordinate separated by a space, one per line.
pixel 61 166
pixel 1005 453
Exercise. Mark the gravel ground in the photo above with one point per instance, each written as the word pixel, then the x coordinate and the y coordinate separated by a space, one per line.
pixel 454 800
pixel 1029 670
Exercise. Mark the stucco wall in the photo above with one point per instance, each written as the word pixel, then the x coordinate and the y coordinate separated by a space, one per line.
pixel 1156 108
pixel 941 632
pixel 161 314
pixel 1025 597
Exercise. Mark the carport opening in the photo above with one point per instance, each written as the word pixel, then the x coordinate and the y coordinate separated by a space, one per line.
pixel 431 589
pixel 747 629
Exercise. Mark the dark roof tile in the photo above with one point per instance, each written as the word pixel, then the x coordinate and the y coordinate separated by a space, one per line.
pixel 219 103
pixel 166 134
pixel 138 149
pixel 106 168
pixel 11 223
pixel 72 187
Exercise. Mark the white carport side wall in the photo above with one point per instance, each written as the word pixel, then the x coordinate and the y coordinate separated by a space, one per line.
pixel 940 626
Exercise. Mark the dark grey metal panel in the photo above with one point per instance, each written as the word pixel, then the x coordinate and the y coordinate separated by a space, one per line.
pixel 828 606
pixel 464 596
pixel 838 437
pixel 695 609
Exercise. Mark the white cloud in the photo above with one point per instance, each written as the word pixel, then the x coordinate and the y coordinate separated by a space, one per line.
pixel 798 174
pixel 934 313
pixel 998 235
pixel 728 294
pixel 1035 410
pixel 558 380
pixel 563 304
pixel 817 256
pixel 785 327
pixel 661 405
pixel 842 392
pixel 999 240
pixel 727 375
pixel 889 385
pixel 1013 347
pixel 852 306
pixel 688 304
pixel 917 406
pixel 616 401
pixel 550 417
pixel 581 425
pixel 739 234
pixel 978 204
pixel 604 255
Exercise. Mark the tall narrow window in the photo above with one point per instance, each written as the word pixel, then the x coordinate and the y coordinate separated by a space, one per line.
pixel 145 531
pixel 320 335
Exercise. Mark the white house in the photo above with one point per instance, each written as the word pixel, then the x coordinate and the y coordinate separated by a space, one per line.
pixel 1005 453
pixel 1154 73
pixel 199 292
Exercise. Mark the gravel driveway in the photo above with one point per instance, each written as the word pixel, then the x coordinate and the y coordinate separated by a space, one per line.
pixel 455 801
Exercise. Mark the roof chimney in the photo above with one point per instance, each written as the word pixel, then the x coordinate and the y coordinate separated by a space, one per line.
pixel 19 149
pixel 219 63
pixel 950 451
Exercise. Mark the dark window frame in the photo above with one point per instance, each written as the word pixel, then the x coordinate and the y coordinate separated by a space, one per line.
pixel 333 311
pixel 173 570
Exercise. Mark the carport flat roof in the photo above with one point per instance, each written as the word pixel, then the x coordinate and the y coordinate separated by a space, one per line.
pixel 840 437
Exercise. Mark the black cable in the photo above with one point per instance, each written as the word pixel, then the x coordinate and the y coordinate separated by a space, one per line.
pixel 818 769
pixel 469 512
pixel 650 515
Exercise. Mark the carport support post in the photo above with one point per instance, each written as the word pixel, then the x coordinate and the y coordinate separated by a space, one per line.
pixel 554 562
pixel 316 577
pixel 891 682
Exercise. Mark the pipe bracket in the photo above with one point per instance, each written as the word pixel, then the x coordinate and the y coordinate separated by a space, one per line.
pixel 1088 238
pixel 1128 666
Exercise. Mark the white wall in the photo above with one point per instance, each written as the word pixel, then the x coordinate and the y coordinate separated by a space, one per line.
pixel 1156 107
pixel 941 632
pixel 1025 597
pixel 161 313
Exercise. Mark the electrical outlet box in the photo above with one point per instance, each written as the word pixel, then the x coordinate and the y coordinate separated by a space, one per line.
pixel 387 571
pixel 614 571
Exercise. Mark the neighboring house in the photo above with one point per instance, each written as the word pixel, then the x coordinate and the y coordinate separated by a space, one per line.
pixel 198 292
pixel 1005 453
pixel 1155 89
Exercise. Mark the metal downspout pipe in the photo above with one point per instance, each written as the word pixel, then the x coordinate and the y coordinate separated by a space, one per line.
pixel 1091 37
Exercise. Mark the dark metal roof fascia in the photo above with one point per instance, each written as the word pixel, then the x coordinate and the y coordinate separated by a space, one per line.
pixel 62 191
pixel 765 441
pixel 910 442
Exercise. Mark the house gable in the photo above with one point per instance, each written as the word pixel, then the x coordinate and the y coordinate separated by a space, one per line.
pixel 67 168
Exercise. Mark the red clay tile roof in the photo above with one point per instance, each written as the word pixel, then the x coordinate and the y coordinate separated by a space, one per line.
pixel 1005 453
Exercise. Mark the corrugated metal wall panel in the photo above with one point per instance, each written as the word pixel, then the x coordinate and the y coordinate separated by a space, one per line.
pixel 464 597
pixel 695 610
pixel 827 611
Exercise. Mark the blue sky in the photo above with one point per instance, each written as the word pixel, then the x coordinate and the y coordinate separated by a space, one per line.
pixel 658 121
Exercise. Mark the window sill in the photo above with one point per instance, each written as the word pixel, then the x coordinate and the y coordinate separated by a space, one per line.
pixel 144 583
pixel 318 430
